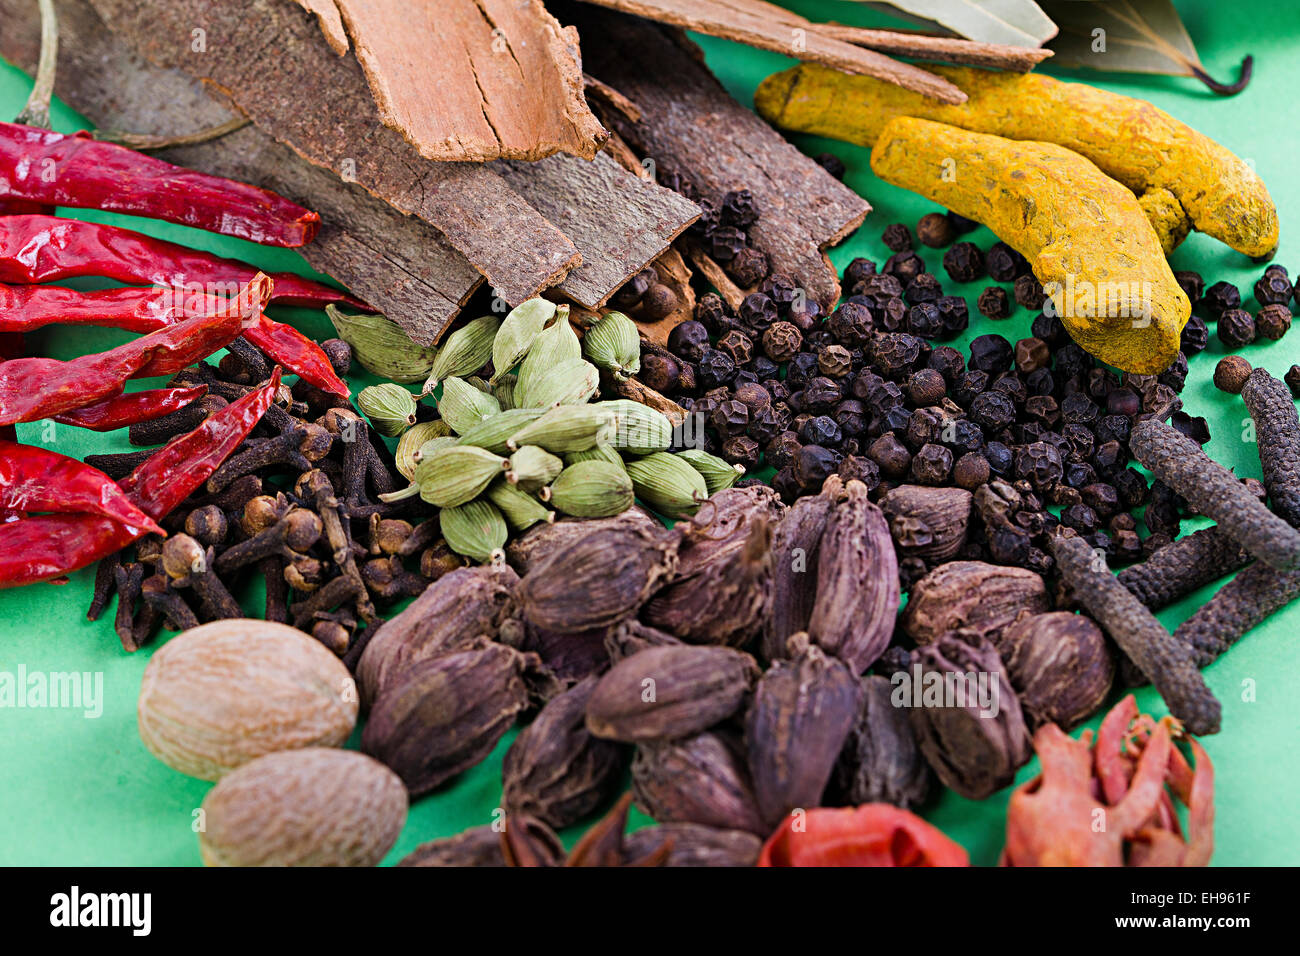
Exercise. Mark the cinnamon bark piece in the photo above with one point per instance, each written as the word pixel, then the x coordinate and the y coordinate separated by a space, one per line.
pixel 693 128
pixel 996 56
pixel 474 80
pixel 270 58
pixel 769 27
pixel 400 264
pixel 331 23
pixel 618 221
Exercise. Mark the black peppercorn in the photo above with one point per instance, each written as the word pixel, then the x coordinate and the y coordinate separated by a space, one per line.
pixel 857 468
pixel 891 455
pixel 932 465
pixel 757 311
pixel 1011 385
pixel 753 396
pixel 1236 328
pixel 992 411
pixel 924 320
pixel 764 369
pixel 894 354
pixel 765 424
pixel 780 288
pixel 924 288
pixel 712 312
pixel 897 237
pixel 1081 518
pixel 804 314
pixel 738 209
pixel 716 368
pixel 1040 382
pixel 1175 376
pixel 1292 379
pixel 1008 546
pixel 896 419
pixel 923 428
pixel 1197 429
pixel 1048 328
pixel 1079 474
pixel 999 457
pixel 821 392
pixel 801 368
pixel 990 353
pixel 834 361
pixel 814 464
pixel 1043 408
pixel 660 371
pixel 904 266
pixel 1029 292
pixel 1079 409
pixel 689 340
pixel 993 303
pixel 1195 337
pixel 1102 498
pixel 1123 401
pixel 1032 354
pixel 850 324
pixel 786 485
pixel 780 451
pixel 964 262
pixel 851 416
pixel 970 385
pixel 1040 464
pixel 961 435
pixel 858 270
pixel 1072 359
pixel 1109 455
pixel 724 242
pixel 1192 285
pixel 821 430
pixel 831 163
pixel 1004 264
pixel 730 417
pixel 744 376
pixel 741 450
pixel 948 362
pixel 1219 298
pixel 1273 321
pixel 737 345
pixel 1274 288
pixel 748 267
pixel 629 295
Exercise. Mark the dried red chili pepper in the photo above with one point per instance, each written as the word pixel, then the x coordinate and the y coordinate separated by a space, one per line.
pixel 35 388
pixel 49 248
pixel 47 546
pixel 1107 805
pixel 874 834
pixel 131 409
pixel 11 347
pixel 34 479
pixel 137 309
pixel 96 175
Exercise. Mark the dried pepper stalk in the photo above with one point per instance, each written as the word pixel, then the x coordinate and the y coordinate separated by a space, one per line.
pixel 1238 606
pixel 875 834
pixel 123 410
pixel 1107 805
pixel 1183 566
pixel 36 479
pixel 35 388
pixel 98 175
pixel 136 309
pixel 1277 430
pixel 48 249
pixel 47 546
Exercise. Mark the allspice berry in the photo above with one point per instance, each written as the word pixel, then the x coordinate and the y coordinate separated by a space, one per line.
pixel 935 230
pixel 1231 374
pixel 659 302
pixel 781 341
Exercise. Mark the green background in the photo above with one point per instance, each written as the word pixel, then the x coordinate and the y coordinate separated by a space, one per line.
pixel 78 791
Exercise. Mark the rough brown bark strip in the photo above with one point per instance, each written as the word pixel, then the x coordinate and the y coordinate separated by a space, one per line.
pixel 401 265
pixel 270 57
pixel 618 221
pixel 768 27
pixel 474 80
pixel 691 126
pixel 938 49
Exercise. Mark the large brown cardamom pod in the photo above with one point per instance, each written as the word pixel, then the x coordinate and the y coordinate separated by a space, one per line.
pixel 701 779
pixel 556 770
pixel 928 523
pixel 454 610
pixel 857 582
pixel 547 538
pixel 477 846
pixel 632 637
pixel 973 595
pixel 568 657
pixel 664 693
pixel 598 580
pixel 445 714
pixel 695 845
pixel 719 594
pixel 965 714
pixel 1060 665
pixel 796 546
pixel 801 714
pixel 881 761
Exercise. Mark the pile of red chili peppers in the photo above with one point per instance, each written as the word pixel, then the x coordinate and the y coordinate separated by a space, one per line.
pixel 57 514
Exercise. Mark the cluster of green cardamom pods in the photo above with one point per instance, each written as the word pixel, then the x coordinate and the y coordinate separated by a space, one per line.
pixel 513 447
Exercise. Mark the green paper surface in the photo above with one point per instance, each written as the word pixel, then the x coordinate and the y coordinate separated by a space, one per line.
pixel 82 790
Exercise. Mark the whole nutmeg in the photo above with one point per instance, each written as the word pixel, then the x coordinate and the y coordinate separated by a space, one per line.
pixel 312 807
pixel 223 694
pixel 983 598
pixel 1059 665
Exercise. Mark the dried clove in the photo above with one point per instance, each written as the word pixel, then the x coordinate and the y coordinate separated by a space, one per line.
pixel 128 578
pixel 188 564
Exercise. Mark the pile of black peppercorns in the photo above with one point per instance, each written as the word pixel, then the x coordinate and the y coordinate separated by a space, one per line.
pixel 867 393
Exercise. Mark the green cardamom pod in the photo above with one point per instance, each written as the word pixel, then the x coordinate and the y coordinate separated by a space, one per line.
pixel 567 428
pixel 476 529
pixel 381 346
pixel 493 432
pixel 668 484
pixel 518 331
pixel 390 408
pixel 605 453
pixel 463 406
pixel 556 344
pixel 504 390
pixel 571 382
pixel 410 443
pixel 613 345
pixel 592 489
pixel 718 474
pixel 425 451
pixel 521 510
pixel 641 429
pixel 464 352
pixel 455 474
pixel 531 468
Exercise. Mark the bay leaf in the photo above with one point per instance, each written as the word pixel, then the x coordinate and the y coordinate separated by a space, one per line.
pixel 1012 22
pixel 1130 36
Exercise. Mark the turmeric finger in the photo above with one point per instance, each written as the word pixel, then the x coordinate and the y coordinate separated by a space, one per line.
pixel 1128 139
pixel 1084 234
pixel 1167 217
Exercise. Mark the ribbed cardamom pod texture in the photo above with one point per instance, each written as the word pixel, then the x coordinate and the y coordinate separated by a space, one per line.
pixel 390 408
pixel 520 509
pixel 556 344
pixel 614 345
pixel 492 433
pixel 796 548
pixel 929 523
pixel 668 484
pixel 411 441
pixel 973 595
pixel 1060 666
pixel 592 489
pixel 566 428
pixel 518 332
pixel 857 582
pixel 701 779
pixel 456 474
pixel 462 406
pixel 695 845
pixel 881 761
pixel 381 346
pixel 669 692
pixel 464 351
pixel 641 430
pixel 531 467
pixel 476 529
pixel 717 473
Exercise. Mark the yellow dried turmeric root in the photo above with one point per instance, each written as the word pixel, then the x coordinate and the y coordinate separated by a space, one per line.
pixel 1128 139
pixel 1085 236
